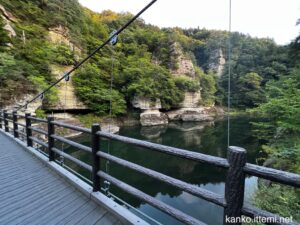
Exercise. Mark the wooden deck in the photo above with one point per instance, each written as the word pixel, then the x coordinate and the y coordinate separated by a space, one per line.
pixel 31 193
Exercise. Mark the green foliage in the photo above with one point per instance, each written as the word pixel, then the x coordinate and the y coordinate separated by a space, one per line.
pixel 63 55
pixel 250 92
pixel 282 107
pixel 156 82
pixel 279 199
pixel 208 88
pixel 92 89
pixel 281 129
pixel 88 119
pixel 187 84
pixel 261 56
pixel 40 113
pixel 13 75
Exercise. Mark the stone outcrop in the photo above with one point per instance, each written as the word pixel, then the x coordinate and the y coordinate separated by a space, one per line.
pixel 7 14
pixel 190 108
pixel 145 103
pixel 31 108
pixel 199 114
pixel 184 64
pixel 191 100
pixel 67 100
pixel 8 19
pixel 218 62
pixel 60 35
pixel 153 118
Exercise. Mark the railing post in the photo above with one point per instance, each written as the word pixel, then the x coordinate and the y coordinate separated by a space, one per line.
pixel 5 116
pixel 51 131
pixel 235 185
pixel 28 131
pixel 95 144
pixel 1 114
pixel 15 121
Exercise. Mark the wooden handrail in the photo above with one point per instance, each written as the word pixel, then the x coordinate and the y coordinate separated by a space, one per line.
pixel 235 163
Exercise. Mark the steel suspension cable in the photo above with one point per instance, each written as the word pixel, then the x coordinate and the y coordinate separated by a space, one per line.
pixel 229 78
pixel 90 55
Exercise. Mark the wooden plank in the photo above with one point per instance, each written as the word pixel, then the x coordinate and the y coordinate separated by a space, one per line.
pixel 23 193
pixel 72 213
pixel 92 217
pixel 10 180
pixel 23 184
pixel 46 201
pixel 31 193
pixel 118 223
pixel 78 214
pixel 39 198
pixel 15 170
pixel 49 212
pixel 108 219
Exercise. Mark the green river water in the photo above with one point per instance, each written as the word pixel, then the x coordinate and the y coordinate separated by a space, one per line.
pixel 207 138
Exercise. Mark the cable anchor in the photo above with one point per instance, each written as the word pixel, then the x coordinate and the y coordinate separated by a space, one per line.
pixel 113 38
pixel 67 77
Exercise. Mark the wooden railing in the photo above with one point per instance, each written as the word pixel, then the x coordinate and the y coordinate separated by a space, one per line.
pixel 236 165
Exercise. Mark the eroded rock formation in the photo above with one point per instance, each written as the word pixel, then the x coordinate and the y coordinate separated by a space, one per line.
pixel 218 62
pixel 67 100
pixel 60 35
pixel 151 116
pixel 8 19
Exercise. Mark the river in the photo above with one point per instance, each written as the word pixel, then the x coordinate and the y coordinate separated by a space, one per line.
pixel 207 138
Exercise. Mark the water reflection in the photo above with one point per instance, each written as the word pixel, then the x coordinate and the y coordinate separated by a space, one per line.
pixel 208 138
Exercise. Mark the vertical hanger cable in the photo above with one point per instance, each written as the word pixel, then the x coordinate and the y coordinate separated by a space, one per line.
pixel 229 77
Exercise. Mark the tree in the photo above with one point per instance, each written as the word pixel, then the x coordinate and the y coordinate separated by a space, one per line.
pixel 93 90
pixel 250 92
pixel 208 88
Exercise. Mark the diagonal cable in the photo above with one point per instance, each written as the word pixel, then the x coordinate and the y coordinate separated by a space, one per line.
pixel 120 30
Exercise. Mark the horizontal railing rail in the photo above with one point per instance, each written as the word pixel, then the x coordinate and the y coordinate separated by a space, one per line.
pixel 212 160
pixel 40 131
pixel 73 159
pixel 192 189
pixel 37 119
pixel 235 164
pixel 68 126
pixel 72 143
pixel 279 176
pixel 150 200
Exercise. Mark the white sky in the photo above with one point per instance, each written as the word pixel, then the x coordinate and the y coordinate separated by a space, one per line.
pixel 259 18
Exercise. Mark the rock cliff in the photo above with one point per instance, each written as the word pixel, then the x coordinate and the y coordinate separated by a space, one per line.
pixel 8 20
pixel 60 35
pixel 150 116
pixel 67 100
pixel 218 62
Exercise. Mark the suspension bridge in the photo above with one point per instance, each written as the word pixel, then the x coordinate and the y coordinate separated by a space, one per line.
pixel 38 188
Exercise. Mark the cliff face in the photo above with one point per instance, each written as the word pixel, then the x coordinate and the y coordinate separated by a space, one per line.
pixel 189 109
pixel 67 100
pixel 185 66
pixel 218 62
pixel 60 35
pixel 49 37
pixel 8 20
